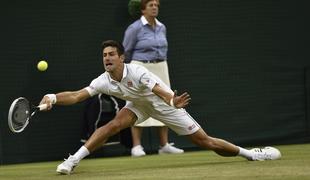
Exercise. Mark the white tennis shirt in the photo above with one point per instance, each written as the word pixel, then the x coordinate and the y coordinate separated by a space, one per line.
pixel 136 87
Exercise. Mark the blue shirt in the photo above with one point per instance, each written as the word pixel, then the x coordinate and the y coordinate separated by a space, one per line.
pixel 142 42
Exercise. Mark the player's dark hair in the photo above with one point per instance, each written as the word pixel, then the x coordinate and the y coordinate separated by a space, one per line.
pixel 144 2
pixel 113 43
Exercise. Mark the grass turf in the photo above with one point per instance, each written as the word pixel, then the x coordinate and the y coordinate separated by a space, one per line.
pixel 295 164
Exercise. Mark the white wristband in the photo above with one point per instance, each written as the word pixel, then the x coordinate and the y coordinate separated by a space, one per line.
pixel 172 103
pixel 52 98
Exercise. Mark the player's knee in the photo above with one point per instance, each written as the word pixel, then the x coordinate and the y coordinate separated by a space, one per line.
pixel 114 126
pixel 207 142
pixel 212 144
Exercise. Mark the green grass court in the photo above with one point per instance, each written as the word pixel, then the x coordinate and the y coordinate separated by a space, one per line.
pixel 295 164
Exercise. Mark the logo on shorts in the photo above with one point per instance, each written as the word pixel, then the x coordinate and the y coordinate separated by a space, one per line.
pixel 129 84
pixel 191 127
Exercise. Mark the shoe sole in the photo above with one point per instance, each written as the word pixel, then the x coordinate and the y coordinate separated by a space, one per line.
pixel 138 155
pixel 159 152
pixel 63 171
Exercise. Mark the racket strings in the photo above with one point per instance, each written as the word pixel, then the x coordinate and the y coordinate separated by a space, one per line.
pixel 21 114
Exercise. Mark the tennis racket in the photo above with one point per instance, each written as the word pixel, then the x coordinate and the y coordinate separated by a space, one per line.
pixel 20 113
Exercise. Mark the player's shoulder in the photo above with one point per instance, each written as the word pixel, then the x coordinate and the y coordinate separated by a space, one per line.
pixel 136 70
pixel 103 75
pixel 102 78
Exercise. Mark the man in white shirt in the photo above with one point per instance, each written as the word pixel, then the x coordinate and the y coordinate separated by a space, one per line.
pixel 148 96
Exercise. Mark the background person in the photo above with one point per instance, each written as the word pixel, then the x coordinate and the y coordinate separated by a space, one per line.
pixel 146 44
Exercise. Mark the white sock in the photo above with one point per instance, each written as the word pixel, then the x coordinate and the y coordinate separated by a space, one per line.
pixel 245 153
pixel 81 153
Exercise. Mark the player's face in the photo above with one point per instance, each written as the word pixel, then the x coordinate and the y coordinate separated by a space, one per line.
pixel 151 9
pixel 111 59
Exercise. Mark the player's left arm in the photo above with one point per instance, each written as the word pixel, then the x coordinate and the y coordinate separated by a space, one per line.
pixel 172 99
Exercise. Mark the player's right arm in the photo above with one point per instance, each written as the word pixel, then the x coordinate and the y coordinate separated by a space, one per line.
pixel 71 97
pixel 65 98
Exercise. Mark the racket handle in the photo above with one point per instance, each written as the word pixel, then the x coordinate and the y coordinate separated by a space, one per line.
pixel 42 107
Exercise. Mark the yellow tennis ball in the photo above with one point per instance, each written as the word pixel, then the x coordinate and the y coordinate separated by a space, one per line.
pixel 42 65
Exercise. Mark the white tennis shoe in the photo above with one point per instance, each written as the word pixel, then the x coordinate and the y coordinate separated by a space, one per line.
pixel 267 153
pixel 67 166
pixel 170 149
pixel 137 151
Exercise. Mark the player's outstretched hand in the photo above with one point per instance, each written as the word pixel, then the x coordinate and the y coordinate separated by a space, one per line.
pixel 182 100
pixel 47 100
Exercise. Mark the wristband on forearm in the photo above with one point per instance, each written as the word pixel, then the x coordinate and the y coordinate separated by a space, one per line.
pixel 52 97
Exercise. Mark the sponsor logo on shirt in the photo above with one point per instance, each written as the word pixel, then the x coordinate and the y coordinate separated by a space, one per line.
pixel 129 84
pixel 191 127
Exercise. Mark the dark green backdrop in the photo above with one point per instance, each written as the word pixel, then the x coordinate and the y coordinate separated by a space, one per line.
pixel 243 62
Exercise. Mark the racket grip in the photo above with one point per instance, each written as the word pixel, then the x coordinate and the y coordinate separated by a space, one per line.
pixel 42 107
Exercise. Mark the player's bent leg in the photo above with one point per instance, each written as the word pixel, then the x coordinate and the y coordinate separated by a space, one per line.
pixel 68 165
pixel 123 119
pixel 219 146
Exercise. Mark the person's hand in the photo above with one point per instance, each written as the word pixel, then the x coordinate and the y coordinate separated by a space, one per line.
pixel 180 101
pixel 47 100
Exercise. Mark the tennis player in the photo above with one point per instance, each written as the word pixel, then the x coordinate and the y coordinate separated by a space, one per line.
pixel 147 96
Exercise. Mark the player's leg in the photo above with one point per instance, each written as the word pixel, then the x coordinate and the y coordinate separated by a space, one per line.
pixel 124 118
pixel 219 146
pixel 225 148
pixel 183 124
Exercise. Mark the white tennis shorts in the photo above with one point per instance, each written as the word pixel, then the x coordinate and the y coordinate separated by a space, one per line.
pixel 176 119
